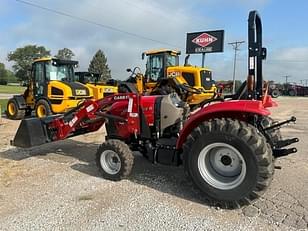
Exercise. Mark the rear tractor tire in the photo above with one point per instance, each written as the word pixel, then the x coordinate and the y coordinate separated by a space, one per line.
pixel 42 109
pixel 114 160
pixel 13 112
pixel 229 160
pixel 275 134
pixel 275 93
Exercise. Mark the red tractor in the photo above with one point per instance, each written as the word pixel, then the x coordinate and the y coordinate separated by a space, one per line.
pixel 227 147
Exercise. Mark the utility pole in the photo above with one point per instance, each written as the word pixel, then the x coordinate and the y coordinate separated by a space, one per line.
pixel 306 81
pixel 286 77
pixel 235 45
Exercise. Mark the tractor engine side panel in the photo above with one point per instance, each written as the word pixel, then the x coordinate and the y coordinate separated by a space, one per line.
pixel 170 113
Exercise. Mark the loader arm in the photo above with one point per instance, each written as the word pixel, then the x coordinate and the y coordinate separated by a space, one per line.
pixel 89 116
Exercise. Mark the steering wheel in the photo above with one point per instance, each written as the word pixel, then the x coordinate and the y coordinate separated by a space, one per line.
pixel 189 89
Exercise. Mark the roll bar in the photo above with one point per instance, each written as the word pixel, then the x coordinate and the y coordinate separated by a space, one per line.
pixel 256 53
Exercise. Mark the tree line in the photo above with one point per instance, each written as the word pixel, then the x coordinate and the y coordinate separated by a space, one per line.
pixel 24 56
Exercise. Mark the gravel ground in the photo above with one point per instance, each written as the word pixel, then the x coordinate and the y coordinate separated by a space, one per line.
pixel 57 187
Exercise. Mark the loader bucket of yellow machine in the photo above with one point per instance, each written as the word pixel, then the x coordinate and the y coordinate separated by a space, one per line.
pixel 31 132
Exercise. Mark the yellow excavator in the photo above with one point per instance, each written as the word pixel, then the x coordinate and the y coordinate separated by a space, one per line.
pixel 163 65
pixel 51 89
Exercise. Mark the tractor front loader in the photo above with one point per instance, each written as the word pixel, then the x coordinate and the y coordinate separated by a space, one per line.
pixel 227 148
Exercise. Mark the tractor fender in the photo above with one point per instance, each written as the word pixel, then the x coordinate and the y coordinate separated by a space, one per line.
pixel 21 102
pixel 236 109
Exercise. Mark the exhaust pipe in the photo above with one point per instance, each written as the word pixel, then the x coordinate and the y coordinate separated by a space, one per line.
pixel 186 60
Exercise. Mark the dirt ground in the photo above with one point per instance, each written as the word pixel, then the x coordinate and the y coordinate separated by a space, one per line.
pixel 57 187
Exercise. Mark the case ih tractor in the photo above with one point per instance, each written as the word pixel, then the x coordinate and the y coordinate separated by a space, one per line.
pixel 227 148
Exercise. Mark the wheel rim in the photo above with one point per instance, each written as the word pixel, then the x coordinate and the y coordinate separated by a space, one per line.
pixel 275 94
pixel 11 108
pixel 222 166
pixel 41 111
pixel 110 162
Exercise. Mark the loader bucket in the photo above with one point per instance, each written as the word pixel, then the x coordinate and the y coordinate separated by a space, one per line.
pixel 31 132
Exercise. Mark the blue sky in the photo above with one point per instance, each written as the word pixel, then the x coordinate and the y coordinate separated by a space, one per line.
pixel 284 23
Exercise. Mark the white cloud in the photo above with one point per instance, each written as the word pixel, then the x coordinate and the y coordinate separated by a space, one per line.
pixel 166 21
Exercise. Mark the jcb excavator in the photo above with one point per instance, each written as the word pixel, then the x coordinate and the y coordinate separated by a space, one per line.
pixel 162 65
pixel 51 89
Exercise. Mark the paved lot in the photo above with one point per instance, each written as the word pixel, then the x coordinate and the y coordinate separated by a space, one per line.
pixel 57 187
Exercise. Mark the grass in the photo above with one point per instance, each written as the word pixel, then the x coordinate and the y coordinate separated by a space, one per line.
pixel 3 103
pixel 8 89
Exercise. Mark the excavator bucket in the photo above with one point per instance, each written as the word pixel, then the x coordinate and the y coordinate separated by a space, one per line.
pixel 31 132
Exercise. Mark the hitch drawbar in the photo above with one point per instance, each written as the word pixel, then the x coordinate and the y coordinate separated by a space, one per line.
pixel 277 146
pixel 278 125
pixel 283 152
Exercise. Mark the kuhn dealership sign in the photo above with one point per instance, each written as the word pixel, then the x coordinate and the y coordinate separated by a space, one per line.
pixel 205 42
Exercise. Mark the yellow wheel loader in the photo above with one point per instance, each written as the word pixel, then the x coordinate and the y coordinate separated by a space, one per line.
pixel 100 89
pixel 50 90
pixel 163 65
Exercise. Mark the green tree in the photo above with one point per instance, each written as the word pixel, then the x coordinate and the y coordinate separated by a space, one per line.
pixel 11 77
pixel 99 65
pixel 3 75
pixel 65 53
pixel 23 58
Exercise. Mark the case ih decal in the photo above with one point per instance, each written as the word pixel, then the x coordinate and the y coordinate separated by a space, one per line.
pixel 205 42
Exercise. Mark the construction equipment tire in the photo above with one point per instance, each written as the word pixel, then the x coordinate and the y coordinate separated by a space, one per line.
pixel 229 160
pixel 13 112
pixel 42 109
pixel 114 160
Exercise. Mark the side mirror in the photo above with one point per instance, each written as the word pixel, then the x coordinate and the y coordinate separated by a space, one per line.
pixel 142 56
pixel 129 70
pixel 264 53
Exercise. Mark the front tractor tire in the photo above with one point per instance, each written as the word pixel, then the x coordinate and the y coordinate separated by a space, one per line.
pixel 13 112
pixel 114 160
pixel 229 160
pixel 42 108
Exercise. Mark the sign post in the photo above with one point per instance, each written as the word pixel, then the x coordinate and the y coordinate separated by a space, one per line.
pixel 205 42
pixel 203 58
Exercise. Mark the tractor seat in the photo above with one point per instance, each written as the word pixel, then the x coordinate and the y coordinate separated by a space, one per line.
pixel 126 87
pixel 241 93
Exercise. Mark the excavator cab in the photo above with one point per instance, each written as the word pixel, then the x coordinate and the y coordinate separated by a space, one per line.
pixel 158 61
